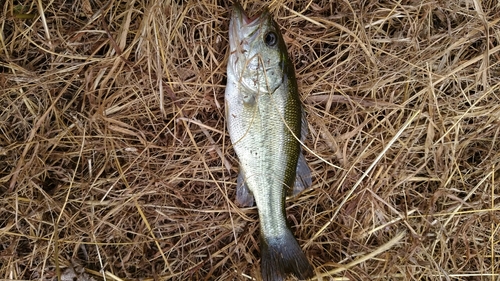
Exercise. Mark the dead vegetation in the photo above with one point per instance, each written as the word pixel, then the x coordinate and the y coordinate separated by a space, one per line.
pixel 114 157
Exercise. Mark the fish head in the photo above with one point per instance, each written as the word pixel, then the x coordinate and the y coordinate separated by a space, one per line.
pixel 258 54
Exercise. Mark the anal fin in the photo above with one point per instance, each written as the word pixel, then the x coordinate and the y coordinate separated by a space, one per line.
pixel 244 196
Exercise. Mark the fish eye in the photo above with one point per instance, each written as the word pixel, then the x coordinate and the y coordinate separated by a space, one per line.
pixel 271 39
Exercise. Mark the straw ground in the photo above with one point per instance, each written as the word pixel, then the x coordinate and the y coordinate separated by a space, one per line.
pixel 115 163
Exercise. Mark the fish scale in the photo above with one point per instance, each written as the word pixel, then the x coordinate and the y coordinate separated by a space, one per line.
pixel 265 122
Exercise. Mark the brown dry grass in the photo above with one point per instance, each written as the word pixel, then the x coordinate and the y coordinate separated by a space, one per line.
pixel 114 155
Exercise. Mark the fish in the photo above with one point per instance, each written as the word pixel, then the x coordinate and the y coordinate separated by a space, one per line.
pixel 266 124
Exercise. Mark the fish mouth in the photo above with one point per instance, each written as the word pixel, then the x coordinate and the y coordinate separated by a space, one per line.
pixel 239 16
pixel 242 28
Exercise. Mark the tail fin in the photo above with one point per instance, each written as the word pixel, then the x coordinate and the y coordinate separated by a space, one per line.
pixel 282 256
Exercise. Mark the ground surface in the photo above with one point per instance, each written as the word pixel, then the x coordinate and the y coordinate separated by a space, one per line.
pixel 114 153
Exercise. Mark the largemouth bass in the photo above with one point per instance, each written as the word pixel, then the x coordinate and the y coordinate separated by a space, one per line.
pixel 265 122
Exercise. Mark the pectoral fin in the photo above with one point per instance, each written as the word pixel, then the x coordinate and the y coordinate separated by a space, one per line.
pixel 244 196
pixel 303 178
